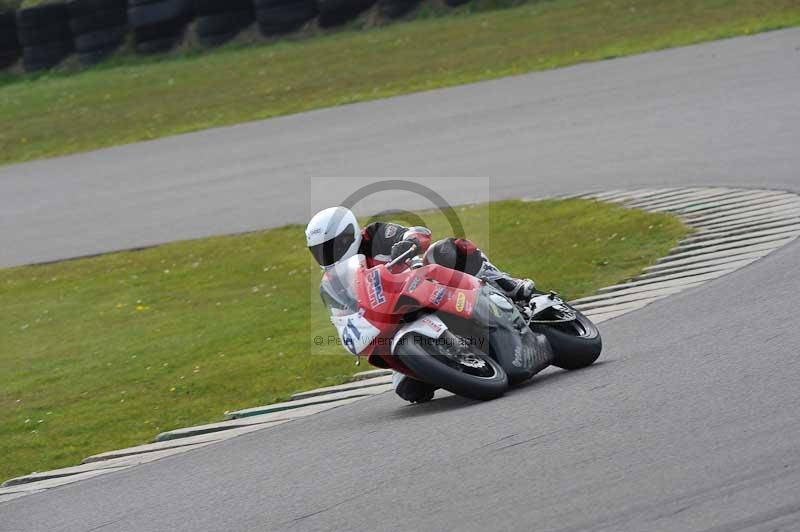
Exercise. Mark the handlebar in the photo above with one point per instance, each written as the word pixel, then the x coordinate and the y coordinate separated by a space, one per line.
pixel 408 254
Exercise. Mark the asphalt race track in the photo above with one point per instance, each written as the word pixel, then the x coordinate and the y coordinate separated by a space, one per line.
pixel 688 423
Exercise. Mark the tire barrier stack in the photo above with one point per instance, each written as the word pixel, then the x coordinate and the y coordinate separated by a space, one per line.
pixel 44 34
pixel 276 17
pixel 392 9
pixel 336 12
pixel 158 25
pixel 99 28
pixel 219 21
pixel 9 44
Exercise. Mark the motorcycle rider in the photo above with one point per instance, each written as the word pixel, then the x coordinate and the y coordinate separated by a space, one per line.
pixel 334 235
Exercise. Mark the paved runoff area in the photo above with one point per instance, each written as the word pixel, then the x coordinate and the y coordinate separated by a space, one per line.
pixel 733 228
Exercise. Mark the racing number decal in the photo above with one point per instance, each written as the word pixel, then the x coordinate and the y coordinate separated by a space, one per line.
pixel 348 333
pixel 355 331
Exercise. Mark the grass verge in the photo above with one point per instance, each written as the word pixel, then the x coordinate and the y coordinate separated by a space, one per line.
pixel 106 352
pixel 137 99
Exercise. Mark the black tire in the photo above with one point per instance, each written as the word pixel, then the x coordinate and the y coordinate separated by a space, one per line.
pixel 8 57
pixel 99 20
pixel 168 30
pixel 284 19
pixel 336 12
pixel 271 4
pixel 95 56
pixel 81 8
pixel 51 33
pixel 158 12
pixel 216 39
pixel 575 344
pixel 8 38
pixel 42 15
pixel 157 46
pixel 135 3
pixel 423 358
pixel 232 22
pixel 44 56
pixel 7 20
pixel 392 9
pixel 111 38
pixel 211 7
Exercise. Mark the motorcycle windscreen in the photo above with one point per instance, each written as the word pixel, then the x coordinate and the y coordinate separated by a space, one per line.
pixel 338 287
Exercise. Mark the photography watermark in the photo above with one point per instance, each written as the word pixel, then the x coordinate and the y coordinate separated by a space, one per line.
pixel 443 342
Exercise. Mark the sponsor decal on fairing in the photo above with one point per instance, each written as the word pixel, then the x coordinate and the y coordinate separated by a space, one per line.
pixel 438 295
pixel 375 289
pixel 460 302
pixel 355 331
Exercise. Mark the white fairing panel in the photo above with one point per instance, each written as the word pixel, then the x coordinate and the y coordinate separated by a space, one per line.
pixel 429 326
pixel 355 331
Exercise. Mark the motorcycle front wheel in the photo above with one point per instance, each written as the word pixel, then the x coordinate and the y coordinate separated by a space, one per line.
pixel 451 363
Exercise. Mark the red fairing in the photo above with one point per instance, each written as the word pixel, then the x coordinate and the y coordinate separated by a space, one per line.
pixel 385 297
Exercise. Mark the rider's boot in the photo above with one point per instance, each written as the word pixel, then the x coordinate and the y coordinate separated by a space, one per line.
pixel 412 390
pixel 520 290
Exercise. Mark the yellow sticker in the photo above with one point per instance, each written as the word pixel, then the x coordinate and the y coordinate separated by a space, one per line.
pixel 460 301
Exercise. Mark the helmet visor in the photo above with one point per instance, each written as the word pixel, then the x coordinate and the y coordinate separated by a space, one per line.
pixel 331 251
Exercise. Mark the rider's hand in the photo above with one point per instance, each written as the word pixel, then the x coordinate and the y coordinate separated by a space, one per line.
pixel 403 246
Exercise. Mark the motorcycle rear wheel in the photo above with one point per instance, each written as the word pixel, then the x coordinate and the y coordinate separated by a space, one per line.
pixel 576 343
pixel 449 363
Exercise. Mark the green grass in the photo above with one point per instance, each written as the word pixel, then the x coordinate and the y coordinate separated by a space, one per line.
pixel 106 352
pixel 138 99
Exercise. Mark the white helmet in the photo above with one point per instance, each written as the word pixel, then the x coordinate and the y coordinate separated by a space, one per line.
pixel 333 235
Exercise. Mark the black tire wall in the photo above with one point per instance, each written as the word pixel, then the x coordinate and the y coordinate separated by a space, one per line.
pixel 220 21
pixel 45 36
pixel 158 25
pixel 336 12
pixel 276 17
pixel 392 9
pixel 99 28
pixel 9 44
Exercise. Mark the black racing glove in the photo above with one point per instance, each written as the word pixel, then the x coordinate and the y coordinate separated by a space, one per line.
pixel 403 246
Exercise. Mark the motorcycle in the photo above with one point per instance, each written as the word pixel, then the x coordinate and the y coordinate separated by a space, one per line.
pixel 451 329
